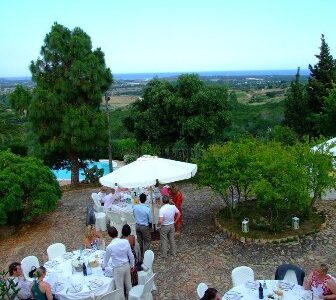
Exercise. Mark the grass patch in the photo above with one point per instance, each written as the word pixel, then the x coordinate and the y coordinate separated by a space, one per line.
pixel 311 224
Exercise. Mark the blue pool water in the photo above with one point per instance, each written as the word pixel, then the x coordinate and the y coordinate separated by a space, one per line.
pixel 66 175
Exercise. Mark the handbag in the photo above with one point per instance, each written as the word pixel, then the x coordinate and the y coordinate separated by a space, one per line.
pixel 32 271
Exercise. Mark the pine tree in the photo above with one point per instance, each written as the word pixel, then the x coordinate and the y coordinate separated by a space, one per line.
pixel 322 77
pixel 296 109
pixel 65 111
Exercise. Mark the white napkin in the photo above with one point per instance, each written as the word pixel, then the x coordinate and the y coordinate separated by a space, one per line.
pixel 95 283
pixel 58 286
pixel 233 295
pixel 75 287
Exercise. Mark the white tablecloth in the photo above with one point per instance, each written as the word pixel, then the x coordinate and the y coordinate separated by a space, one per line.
pixel 128 209
pixel 63 272
pixel 295 292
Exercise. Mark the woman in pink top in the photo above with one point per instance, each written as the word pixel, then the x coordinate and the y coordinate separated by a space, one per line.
pixel 321 283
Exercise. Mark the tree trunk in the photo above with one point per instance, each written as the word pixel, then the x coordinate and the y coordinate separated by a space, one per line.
pixel 74 170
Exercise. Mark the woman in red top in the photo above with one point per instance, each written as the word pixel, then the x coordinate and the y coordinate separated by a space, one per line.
pixel 321 283
pixel 177 199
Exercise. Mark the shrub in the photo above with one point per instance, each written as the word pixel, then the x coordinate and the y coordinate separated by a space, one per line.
pixel 27 188
pixel 128 158
pixel 123 147
pixel 8 288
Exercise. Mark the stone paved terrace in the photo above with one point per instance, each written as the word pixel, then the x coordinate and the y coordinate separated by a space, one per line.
pixel 204 253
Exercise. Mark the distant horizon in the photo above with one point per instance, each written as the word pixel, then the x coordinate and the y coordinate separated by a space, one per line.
pixel 142 75
pixel 170 36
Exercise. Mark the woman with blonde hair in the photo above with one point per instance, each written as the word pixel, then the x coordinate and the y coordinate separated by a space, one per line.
pixel 92 238
pixel 41 290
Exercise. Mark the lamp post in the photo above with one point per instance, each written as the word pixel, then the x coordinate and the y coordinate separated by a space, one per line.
pixel 107 98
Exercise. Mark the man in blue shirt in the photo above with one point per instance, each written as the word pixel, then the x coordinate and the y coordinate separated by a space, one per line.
pixel 142 218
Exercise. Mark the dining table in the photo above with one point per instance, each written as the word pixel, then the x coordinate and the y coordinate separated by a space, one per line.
pixel 69 283
pixel 275 289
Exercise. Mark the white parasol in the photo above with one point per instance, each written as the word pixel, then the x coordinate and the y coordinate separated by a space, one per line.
pixel 146 170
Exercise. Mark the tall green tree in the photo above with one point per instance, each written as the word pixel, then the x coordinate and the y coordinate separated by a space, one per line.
pixel 20 99
pixel 64 112
pixel 329 114
pixel 321 80
pixel 296 106
pixel 187 113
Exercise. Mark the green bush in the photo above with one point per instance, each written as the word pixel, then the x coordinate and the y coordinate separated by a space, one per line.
pixel 27 188
pixel 280 177
pixel 122 147
pixel 128 158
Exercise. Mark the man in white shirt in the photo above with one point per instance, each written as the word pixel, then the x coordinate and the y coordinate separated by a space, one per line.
pixel 110 198
pixel 122 259
pixel 24 286
pixel 168 215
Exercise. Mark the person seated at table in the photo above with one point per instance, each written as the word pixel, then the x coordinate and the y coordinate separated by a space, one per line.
pixel 211 294
pixel 110 199
pixel 126 234
pixel 41 290
pixel 102 194
pixel 321 283
pixel 92 238
pixel 23 285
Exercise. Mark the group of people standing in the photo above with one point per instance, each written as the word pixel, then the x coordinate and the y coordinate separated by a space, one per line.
pixel 121 251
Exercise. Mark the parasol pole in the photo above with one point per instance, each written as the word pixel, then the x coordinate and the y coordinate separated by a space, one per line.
pixel 152 203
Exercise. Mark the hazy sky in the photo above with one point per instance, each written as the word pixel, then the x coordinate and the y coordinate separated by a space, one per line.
pixel 174 35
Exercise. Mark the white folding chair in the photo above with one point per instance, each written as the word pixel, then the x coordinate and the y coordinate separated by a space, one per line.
pixel 115 220
pixel 142 292
pixel 97 205
pixel 100 221
pixel 27 263
pixel 290 276
pixel 201 288
pixel 114 295
pixel 241 275
pixel 147 267
pixel 55 250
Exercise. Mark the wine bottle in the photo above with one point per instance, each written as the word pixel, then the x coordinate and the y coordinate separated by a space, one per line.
pixel 261 292
pixel 84 269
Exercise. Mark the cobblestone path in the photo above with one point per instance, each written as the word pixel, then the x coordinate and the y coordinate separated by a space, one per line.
pixel 204 253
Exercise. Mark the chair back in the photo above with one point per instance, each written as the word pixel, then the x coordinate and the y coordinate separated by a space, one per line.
pixel 148 285
pixel 130 220
pixel 290 273
pixel 27 263
pixel 201 288
pixel 97 205
pixel 114 295
pixel 55 250
pixel 241 275
pixel 148 259
pixel 115 218
pixel 290 276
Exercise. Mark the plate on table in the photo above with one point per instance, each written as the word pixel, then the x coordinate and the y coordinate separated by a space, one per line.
pixel 88 252
pixel 233 295
pixel 96 283
pixel 51 264
pixel 68 255
pixel 285 285
pixel 57 287
pixel 75 288
pixel 252 285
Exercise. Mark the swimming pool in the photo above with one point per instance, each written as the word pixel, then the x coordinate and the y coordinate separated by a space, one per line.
pixel 102 164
